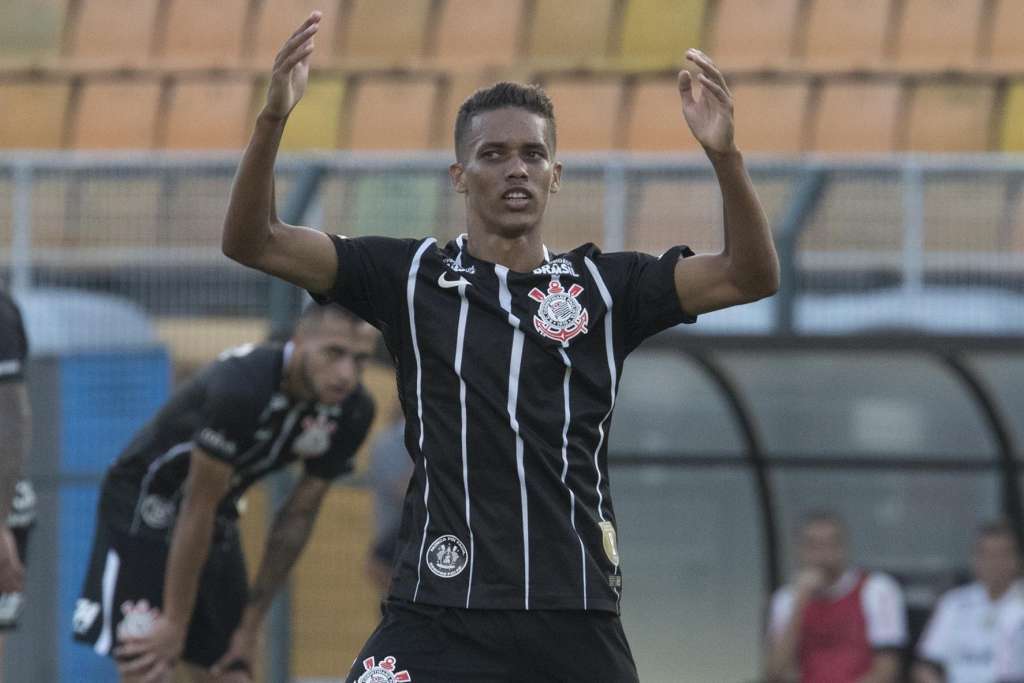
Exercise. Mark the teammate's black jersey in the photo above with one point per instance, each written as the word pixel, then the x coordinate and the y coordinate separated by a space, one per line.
pixel 508 381
pixel 235 411
pixel 13 344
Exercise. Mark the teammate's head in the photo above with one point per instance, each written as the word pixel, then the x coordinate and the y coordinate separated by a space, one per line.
pixel 331 348
pixel 822 543
pixel 505 157
pixel 997 556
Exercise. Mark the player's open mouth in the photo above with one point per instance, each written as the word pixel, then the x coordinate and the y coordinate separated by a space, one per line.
pixel 517 199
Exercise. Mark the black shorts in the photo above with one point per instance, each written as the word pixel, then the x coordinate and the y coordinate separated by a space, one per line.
pixel 11 604
pixel 125 583
pixel 430 644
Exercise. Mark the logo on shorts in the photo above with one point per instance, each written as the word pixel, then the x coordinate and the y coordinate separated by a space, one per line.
pixel 447 556
pixel 10 607
pixel 315 437
pixel 213 439
pixel 137 619
pixel 611 547
pixel 383 671
pixel 23 507
pixel 157 512
pixel 561 316
pixel 86 612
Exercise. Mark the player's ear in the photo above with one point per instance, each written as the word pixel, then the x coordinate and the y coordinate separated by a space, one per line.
pixel 456 172
pixel 556 177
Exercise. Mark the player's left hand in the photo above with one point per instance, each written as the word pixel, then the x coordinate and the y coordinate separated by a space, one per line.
pixel 238 660
pixel 708 111
pixel 151 659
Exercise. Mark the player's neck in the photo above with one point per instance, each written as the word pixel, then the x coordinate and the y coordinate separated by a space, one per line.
pixel 997 590
pixel 522 253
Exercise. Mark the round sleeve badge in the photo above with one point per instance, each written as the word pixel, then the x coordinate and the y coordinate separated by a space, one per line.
pixel 447 556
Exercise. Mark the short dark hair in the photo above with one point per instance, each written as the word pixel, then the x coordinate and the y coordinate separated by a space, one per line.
pixel 314 314
pixel 823 517
pixel 1000 527
pixel 532 98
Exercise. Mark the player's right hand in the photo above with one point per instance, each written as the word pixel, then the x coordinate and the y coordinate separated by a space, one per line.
pixel 12 572
pixel 291 69
pixel 809 581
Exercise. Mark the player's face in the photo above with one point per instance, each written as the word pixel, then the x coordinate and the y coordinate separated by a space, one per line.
pixel 333 356
pixel 996 561
pixel 822 545
pixel 507 172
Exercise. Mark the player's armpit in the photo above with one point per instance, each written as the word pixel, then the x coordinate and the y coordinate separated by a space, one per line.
pixel 707 282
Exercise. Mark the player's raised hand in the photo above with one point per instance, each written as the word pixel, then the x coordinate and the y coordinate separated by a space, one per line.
pixel 708 111
pixel 291 69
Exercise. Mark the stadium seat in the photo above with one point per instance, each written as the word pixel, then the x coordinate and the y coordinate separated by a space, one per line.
pixel 31 29
pixel 119 114
pixel 1004 49
pixel 753 33
pixel 393 113
pixel 203 31
pixel 857 116
pixel 946 117
pixel 771 115
pixel 569 31
pixel 460 85
pixel 938 34
pixel 1012 133
pixel 846 34
pixel 655 122
pixel 317 122
pixel 589 113
pixel 278 19
pixel 658 32
pixel 387 30
pixel 33 114
pixel 209 114
pixel 478 33
pixel 112 31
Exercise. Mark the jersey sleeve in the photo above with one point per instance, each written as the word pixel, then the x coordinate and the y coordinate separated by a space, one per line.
pixel 338 460
pixel 938 638
pixel 228 416
pixel 780 613
pixel 371 278
pixel 13 343
pixel 885 611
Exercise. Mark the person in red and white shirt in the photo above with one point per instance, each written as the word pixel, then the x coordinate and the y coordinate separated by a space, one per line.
pixel 976 634
pixel 834 623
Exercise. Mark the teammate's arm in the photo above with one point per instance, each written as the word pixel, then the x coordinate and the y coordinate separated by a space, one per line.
pixel 291 529
pixel 926 672
pixel 208 481
pixel 747 268
pixel 15 425
pixel 885 668
pixel 253 235
pixel 781 649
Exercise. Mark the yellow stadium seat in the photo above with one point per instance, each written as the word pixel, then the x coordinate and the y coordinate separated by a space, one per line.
pixel 209 114
pixel 771 115
pixel 656 122
pixel 32 114
pixel 658 32
pixel 204 31
pixel 589 113
pixel 117 114
pixel 389 30
pixel 950 118
pixel 857 116
pixel 480 32
pixel 30 30
pixel 393 113
pixel 1005 49
pixel 939 34
pixel 846 34
pixel 1012 133
pixel 318 119
pixel 569 31
pixel 112 31
pixel 753 33
pixel 278 19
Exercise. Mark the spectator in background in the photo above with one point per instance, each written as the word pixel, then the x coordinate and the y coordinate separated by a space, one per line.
pixel 976 634
pixel 390 469
pixel 834 623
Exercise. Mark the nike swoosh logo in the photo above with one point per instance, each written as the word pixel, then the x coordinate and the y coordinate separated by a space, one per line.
pixel 447 284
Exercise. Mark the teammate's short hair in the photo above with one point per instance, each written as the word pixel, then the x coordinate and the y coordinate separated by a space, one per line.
pixel 822 517
pixel 532 98
pixel 1000 528
pixel 314 314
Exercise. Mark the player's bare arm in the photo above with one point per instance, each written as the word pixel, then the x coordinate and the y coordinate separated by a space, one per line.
pixel 885 668
pixel 253 235
pixel 292 527
pixel 15 426
pixel 153 658
pixel 747 268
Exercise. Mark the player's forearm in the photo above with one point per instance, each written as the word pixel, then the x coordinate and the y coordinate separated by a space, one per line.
pixel 781 662
pixel 748 238
pixel 15 425
pixel 190 546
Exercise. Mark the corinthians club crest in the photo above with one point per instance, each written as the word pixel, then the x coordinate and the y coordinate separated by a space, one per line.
pixel 383 671
pixel 561 316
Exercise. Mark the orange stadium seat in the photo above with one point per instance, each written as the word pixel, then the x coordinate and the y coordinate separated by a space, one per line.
pixel 753 33
pixel 112 31
pixel 771 115
pixel 390 30
pixel 846 34
pixel 569 31
pixel 946 117
pixel 655 122
pixel 116 114
pixel 317 122
pixel 278 19
pixel 31 29
pixel 938 34
pixel 209 114
pixel 858 116
pixel 460 85
pixel 478 33
pixel 1005 49
pixel 203 31
pixel 393 113
pixel 658 32
pixel 589 113
pixel 1012 133
pixel 33 114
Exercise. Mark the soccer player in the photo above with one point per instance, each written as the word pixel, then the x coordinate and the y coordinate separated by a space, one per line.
pixel 976 634
pixel 17 499
pixel 508 359
pixel 167 578
pixel 835 623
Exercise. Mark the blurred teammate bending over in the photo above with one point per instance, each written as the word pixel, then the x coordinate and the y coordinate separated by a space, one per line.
pixel 508 359
pixel 167 578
